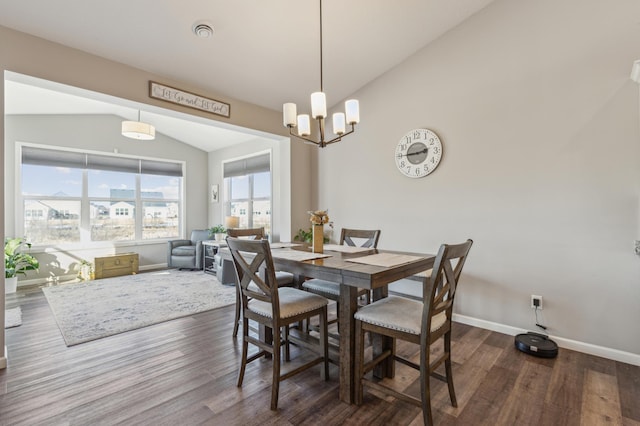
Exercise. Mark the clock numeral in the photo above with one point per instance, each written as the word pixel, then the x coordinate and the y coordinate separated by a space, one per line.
pixel 416 134
pixel 417 171
pixel 399 155
pixel 403 164
pixel 426 167
pixel 436 150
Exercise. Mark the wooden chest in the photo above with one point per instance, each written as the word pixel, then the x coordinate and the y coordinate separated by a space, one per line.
pixel 116 265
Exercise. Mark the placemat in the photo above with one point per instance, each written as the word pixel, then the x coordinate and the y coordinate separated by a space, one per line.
pixel 346 249
pixel 284 245
pixel 297 255
pixel 385 259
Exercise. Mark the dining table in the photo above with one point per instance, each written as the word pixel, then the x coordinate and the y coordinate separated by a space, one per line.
pixel 353 268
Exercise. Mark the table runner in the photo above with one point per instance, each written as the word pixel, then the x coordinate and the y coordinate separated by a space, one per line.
pixel 385 259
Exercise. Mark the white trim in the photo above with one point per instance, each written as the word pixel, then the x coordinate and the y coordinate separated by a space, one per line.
pixel 588 348
pixel 3 360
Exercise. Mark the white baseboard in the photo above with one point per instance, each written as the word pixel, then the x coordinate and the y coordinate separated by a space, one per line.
pixel 3 360
pixel 587 348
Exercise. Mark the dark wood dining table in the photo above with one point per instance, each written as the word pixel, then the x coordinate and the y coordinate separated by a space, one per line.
pixel 351 276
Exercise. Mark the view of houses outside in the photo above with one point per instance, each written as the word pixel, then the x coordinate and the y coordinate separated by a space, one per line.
pixel 250 200
pixel 53 205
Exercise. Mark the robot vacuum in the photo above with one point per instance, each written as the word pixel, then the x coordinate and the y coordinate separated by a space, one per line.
pixel 537 345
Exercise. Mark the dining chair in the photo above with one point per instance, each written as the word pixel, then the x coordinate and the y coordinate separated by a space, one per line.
pixel 331 290
pixel 421 322
pixel 283 278
pixel 273 307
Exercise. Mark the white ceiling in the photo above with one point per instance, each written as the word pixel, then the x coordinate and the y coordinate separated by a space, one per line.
pixel 265 52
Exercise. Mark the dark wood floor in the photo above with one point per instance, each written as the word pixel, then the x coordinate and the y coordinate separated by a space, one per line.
pixel 183 372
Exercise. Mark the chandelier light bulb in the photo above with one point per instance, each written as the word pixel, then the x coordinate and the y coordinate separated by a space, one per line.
pixel 318 105
pixel 352 108
pixel 289 114
pixel 338 123
pixel 304 125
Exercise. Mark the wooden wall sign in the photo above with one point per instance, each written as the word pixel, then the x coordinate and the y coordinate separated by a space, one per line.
pixel 191 100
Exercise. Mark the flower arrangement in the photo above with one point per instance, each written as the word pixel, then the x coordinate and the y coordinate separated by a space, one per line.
pixel 319 217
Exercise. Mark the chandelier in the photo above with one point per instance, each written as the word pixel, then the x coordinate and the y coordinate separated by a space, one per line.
pixel 319 112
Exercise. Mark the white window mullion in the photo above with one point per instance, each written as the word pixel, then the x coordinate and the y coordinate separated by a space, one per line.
pixel 138 211
pixel 85 210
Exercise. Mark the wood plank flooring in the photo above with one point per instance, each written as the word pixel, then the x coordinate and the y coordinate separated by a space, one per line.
pixel 183 372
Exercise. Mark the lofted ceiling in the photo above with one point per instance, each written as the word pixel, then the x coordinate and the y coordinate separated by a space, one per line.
pixel 265 52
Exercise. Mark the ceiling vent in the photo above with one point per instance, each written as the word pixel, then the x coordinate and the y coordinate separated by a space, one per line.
pixel 202 29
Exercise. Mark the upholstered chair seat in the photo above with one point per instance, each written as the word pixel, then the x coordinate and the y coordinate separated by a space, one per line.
pixel 398 313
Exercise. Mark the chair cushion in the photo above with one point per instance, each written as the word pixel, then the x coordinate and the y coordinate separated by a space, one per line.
pixel 321 286
pixel 292 302
pixel 184 251
pixel 327 288
pixel 398 313
pixel 284 278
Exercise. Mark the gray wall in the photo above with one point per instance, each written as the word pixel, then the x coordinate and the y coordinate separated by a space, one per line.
pixel 101 133
pixel 541 165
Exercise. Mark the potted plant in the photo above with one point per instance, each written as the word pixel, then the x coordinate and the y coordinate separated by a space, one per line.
pixel 218 232
pixel 16 261
pixel 307 236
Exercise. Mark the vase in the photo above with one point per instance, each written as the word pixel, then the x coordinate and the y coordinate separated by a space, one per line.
pixel 317 238
pixel 10 285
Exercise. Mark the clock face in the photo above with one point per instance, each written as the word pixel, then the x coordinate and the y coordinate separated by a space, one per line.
pixel 418 153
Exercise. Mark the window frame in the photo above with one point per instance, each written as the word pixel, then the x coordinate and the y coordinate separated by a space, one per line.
pixel 227 201
pixel 85 201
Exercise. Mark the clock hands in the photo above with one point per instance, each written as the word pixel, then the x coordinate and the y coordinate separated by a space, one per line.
pixel 424 151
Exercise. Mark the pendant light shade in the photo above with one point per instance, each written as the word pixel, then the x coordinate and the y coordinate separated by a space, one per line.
pixel 138 130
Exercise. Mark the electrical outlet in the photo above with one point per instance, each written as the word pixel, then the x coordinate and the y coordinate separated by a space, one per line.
pixel 636 247
pixel 536 302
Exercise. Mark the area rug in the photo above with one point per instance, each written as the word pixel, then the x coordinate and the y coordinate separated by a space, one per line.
pixel 12 317
pixel 96 309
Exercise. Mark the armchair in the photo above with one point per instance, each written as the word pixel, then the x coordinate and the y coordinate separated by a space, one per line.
pixel 187 254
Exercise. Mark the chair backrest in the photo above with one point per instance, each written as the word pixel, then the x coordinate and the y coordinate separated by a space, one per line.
pixel 199 235
pixel 370 237
pixel 253 264
pixel 440 289
pixel 249 233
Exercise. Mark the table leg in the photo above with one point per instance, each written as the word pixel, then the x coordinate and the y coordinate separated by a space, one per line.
pixel 348 306
pixel 381 343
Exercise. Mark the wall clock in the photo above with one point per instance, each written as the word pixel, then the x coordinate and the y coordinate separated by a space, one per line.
pixel 418 153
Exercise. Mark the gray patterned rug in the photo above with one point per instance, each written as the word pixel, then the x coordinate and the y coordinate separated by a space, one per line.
pixel 94 309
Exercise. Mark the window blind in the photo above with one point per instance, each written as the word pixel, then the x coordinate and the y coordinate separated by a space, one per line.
pixel 79 160
pixel 245 166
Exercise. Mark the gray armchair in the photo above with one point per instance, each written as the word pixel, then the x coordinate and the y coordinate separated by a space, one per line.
pixel 187 254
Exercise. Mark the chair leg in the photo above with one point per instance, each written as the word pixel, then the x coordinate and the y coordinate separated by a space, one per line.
pixel 359 364
pixel 236 322
pixel 324 343
pixel 275 385
pixel 245 350
pixel 447 366
pixel 287 352
pixel 425 385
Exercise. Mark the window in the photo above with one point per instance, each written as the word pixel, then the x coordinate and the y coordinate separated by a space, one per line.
pixel 248 191
pixel 75 197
